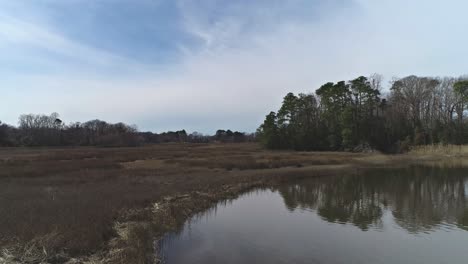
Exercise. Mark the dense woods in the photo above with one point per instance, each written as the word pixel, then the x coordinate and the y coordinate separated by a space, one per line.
pixel 356 115
pixel 50 130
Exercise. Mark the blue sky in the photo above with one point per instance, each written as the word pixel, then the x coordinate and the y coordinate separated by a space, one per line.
pixel 208 64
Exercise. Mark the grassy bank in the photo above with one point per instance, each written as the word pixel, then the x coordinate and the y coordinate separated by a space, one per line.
pixel 101 205
pixel 449 150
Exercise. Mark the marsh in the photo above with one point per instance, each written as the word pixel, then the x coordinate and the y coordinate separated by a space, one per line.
pixel 109 205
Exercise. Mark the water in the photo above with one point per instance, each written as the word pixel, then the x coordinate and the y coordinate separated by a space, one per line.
pixel 412 215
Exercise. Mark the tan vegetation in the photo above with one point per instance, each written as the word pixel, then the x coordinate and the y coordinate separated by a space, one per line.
pixel 440 149
pixel 108 205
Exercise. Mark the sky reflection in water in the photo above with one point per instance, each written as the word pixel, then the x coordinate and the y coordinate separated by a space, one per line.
pixel 411 215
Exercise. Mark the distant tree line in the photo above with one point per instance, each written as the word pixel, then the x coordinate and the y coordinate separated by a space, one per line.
pixel 50 130
pixel 352 115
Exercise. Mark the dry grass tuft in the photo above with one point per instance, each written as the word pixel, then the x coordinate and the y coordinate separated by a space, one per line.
pixel 440 149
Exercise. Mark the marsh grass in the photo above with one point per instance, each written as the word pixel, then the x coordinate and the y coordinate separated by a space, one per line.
pixel 97 203
pixel 56 202
pixel 440 149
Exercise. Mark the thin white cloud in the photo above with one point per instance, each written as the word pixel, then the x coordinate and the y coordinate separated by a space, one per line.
pixel 17 34
pixel 239 73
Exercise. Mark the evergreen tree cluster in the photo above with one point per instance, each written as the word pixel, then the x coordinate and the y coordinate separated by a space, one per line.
pixel 348 115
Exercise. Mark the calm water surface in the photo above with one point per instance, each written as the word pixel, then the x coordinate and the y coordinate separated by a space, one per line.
pixel 412 215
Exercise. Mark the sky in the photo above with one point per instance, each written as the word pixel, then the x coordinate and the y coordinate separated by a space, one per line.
pixel 203 65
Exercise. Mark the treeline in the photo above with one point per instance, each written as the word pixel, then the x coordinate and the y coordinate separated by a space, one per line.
pixel 50 130
pixel 354 115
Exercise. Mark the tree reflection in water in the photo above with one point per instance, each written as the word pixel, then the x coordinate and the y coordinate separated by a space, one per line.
pixel 419 198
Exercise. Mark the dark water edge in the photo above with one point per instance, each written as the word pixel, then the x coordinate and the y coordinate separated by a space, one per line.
pixel 417 214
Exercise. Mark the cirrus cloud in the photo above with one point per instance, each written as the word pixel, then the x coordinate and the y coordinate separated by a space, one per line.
pixel 229 63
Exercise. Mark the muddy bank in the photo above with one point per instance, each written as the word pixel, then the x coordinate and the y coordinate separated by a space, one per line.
pixel 140 230
pixel 170 213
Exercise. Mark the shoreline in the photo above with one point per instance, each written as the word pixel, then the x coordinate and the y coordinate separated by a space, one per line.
pixel 171 213
pixel 188 180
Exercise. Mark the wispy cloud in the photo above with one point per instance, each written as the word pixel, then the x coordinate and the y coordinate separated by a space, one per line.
pixel 30 33
pixel 245 57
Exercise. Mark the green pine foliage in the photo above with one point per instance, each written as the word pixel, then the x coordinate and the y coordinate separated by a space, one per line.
pixel 346 115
